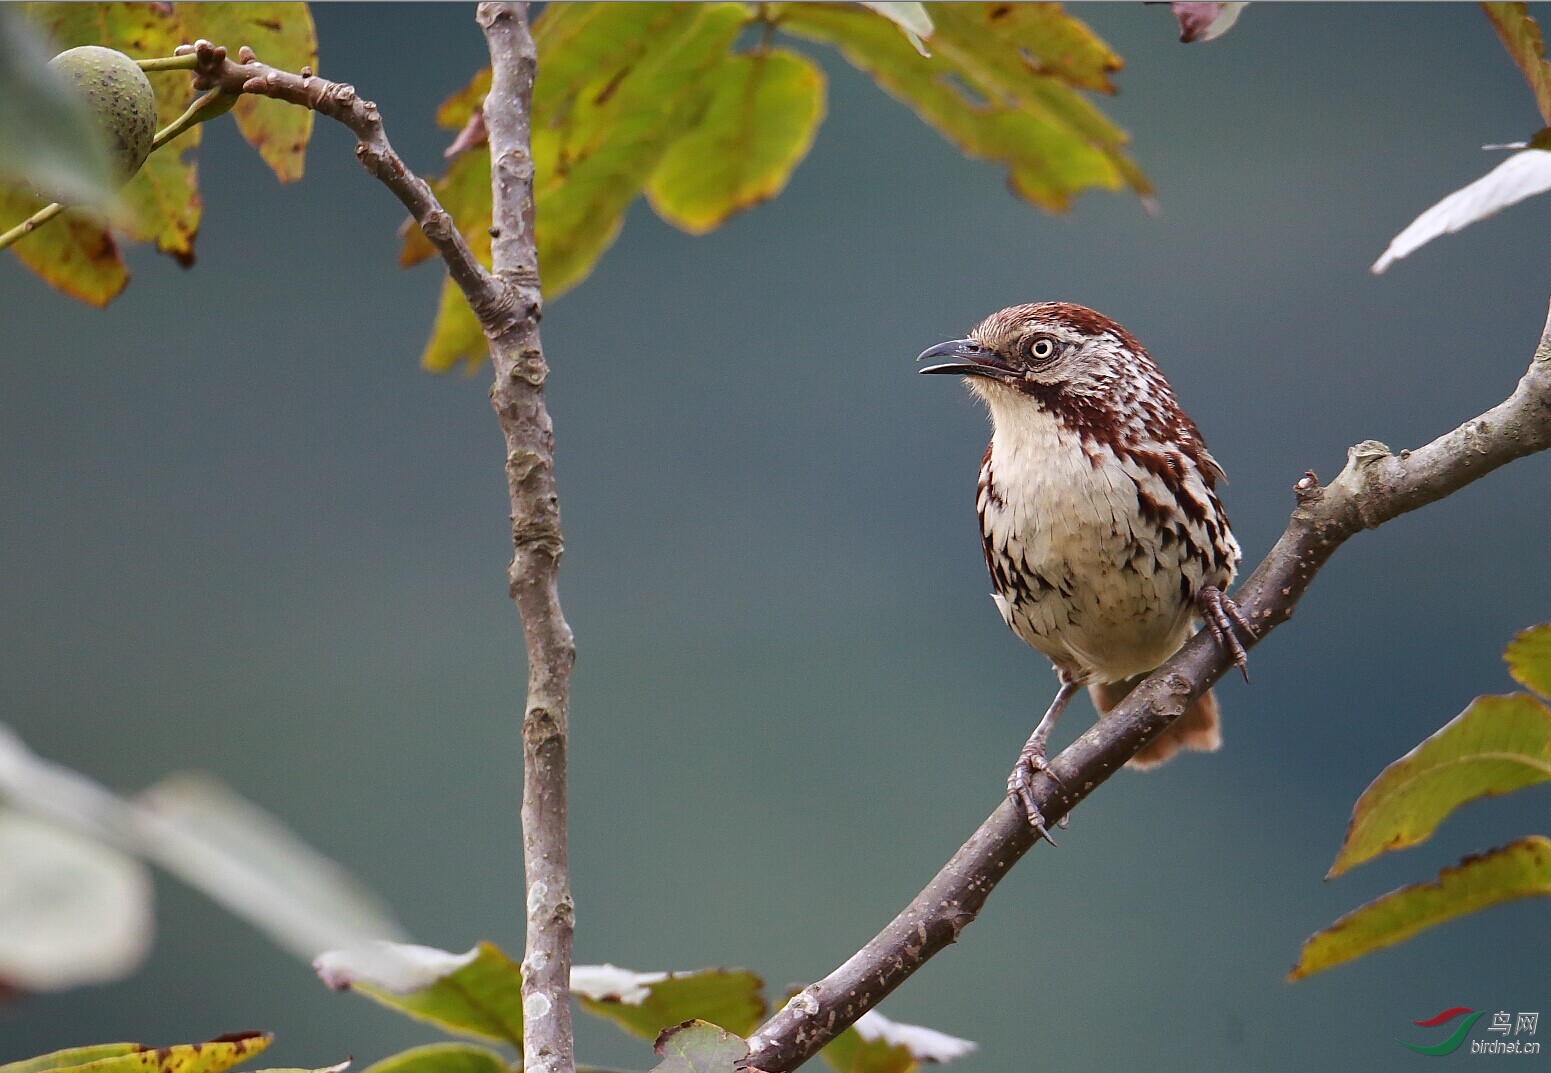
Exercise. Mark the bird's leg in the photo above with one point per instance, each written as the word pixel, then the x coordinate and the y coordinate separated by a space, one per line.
pixel 1226 621
pixel 1031 759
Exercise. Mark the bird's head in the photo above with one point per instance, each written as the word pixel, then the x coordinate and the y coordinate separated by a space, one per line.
pixel 1032 349
pixel 1064 359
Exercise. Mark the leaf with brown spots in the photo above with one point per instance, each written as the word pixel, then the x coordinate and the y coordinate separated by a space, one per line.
pixel 1003 83
pixel 700 1047
pixel 215 1056
pixel 283 36
pixel 75 253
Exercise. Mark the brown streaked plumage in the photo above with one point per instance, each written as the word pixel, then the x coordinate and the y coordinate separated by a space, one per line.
pixel 1099 517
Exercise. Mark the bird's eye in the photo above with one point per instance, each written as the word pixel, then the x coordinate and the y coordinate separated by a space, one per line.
pixel 1042 349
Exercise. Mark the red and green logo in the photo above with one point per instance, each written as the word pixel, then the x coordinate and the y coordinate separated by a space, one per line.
pixel 1450 1045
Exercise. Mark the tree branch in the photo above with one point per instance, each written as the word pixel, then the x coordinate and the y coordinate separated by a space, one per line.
pixel 340 102
pixel 518 398
pixel 1374 487
pixel 508 303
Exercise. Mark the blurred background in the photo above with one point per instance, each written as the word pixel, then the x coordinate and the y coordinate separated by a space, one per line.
pixel 245 534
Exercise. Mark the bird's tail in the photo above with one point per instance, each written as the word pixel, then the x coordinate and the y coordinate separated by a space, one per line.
pixel 1199 728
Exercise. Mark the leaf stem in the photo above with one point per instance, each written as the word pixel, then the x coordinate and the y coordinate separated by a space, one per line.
pixel 190 118
pixel 169 63
pixel 31 224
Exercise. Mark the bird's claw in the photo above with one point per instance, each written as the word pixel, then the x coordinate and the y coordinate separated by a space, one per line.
pixel 1020 788
pixel 1226 622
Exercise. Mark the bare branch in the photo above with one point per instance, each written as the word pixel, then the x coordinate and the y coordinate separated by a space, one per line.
pixel 518 398
pixel 338 101
pixel 1374 487
pixel 507 302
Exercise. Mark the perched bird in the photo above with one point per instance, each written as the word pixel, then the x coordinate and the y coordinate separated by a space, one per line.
pixel 1099 515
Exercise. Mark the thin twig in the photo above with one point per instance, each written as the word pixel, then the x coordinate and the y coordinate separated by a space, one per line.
pixel 31 224
pixel 1374 487
pixel 338 101
pixel 518 398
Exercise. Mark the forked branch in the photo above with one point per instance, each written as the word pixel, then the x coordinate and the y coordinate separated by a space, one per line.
pixel 506 300
pixel 1374 487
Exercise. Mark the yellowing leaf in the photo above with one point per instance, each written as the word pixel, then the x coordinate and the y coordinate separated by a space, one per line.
pixel 214 1056
pixel 73 1056
pixel 1496 745
pixel 74 253
pixel 441 1058
pixel 731 998
pixel 282 35
pixel 999 84
pixel 764 110
pixel 1520 869
pixel 1520 35
pixel 1529 659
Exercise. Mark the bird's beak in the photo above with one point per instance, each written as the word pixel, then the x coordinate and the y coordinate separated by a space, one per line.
pixel 967 357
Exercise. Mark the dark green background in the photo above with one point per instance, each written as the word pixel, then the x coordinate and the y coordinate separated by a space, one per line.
pixel 245 534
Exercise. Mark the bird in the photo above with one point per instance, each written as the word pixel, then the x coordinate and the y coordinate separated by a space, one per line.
pixel 1100 521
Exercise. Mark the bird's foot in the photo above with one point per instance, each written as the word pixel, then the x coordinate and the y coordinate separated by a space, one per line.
pixel 1226 622
pixel 1020 787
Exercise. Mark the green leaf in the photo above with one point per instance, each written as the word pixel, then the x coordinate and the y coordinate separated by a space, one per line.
pixel 1529 659
pixel 75 253
pixel 478 993
pixel 282 35
pixel 618 84
pixel 646 1003
pixel 74 1056
pixel 764 109
pixel 601 130
pixel 1520 869
pixel 441 1058
pixel 699 1047
pixel 849 1053
pixel 214 1056
pixel 161 203
pixel 46 139
pixel 1496 745
pixel 1002 84
pixel 1520 35
pixel 875 1044
pixel 912 20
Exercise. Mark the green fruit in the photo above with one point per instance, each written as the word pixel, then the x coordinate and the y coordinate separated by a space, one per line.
pixel 119 98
